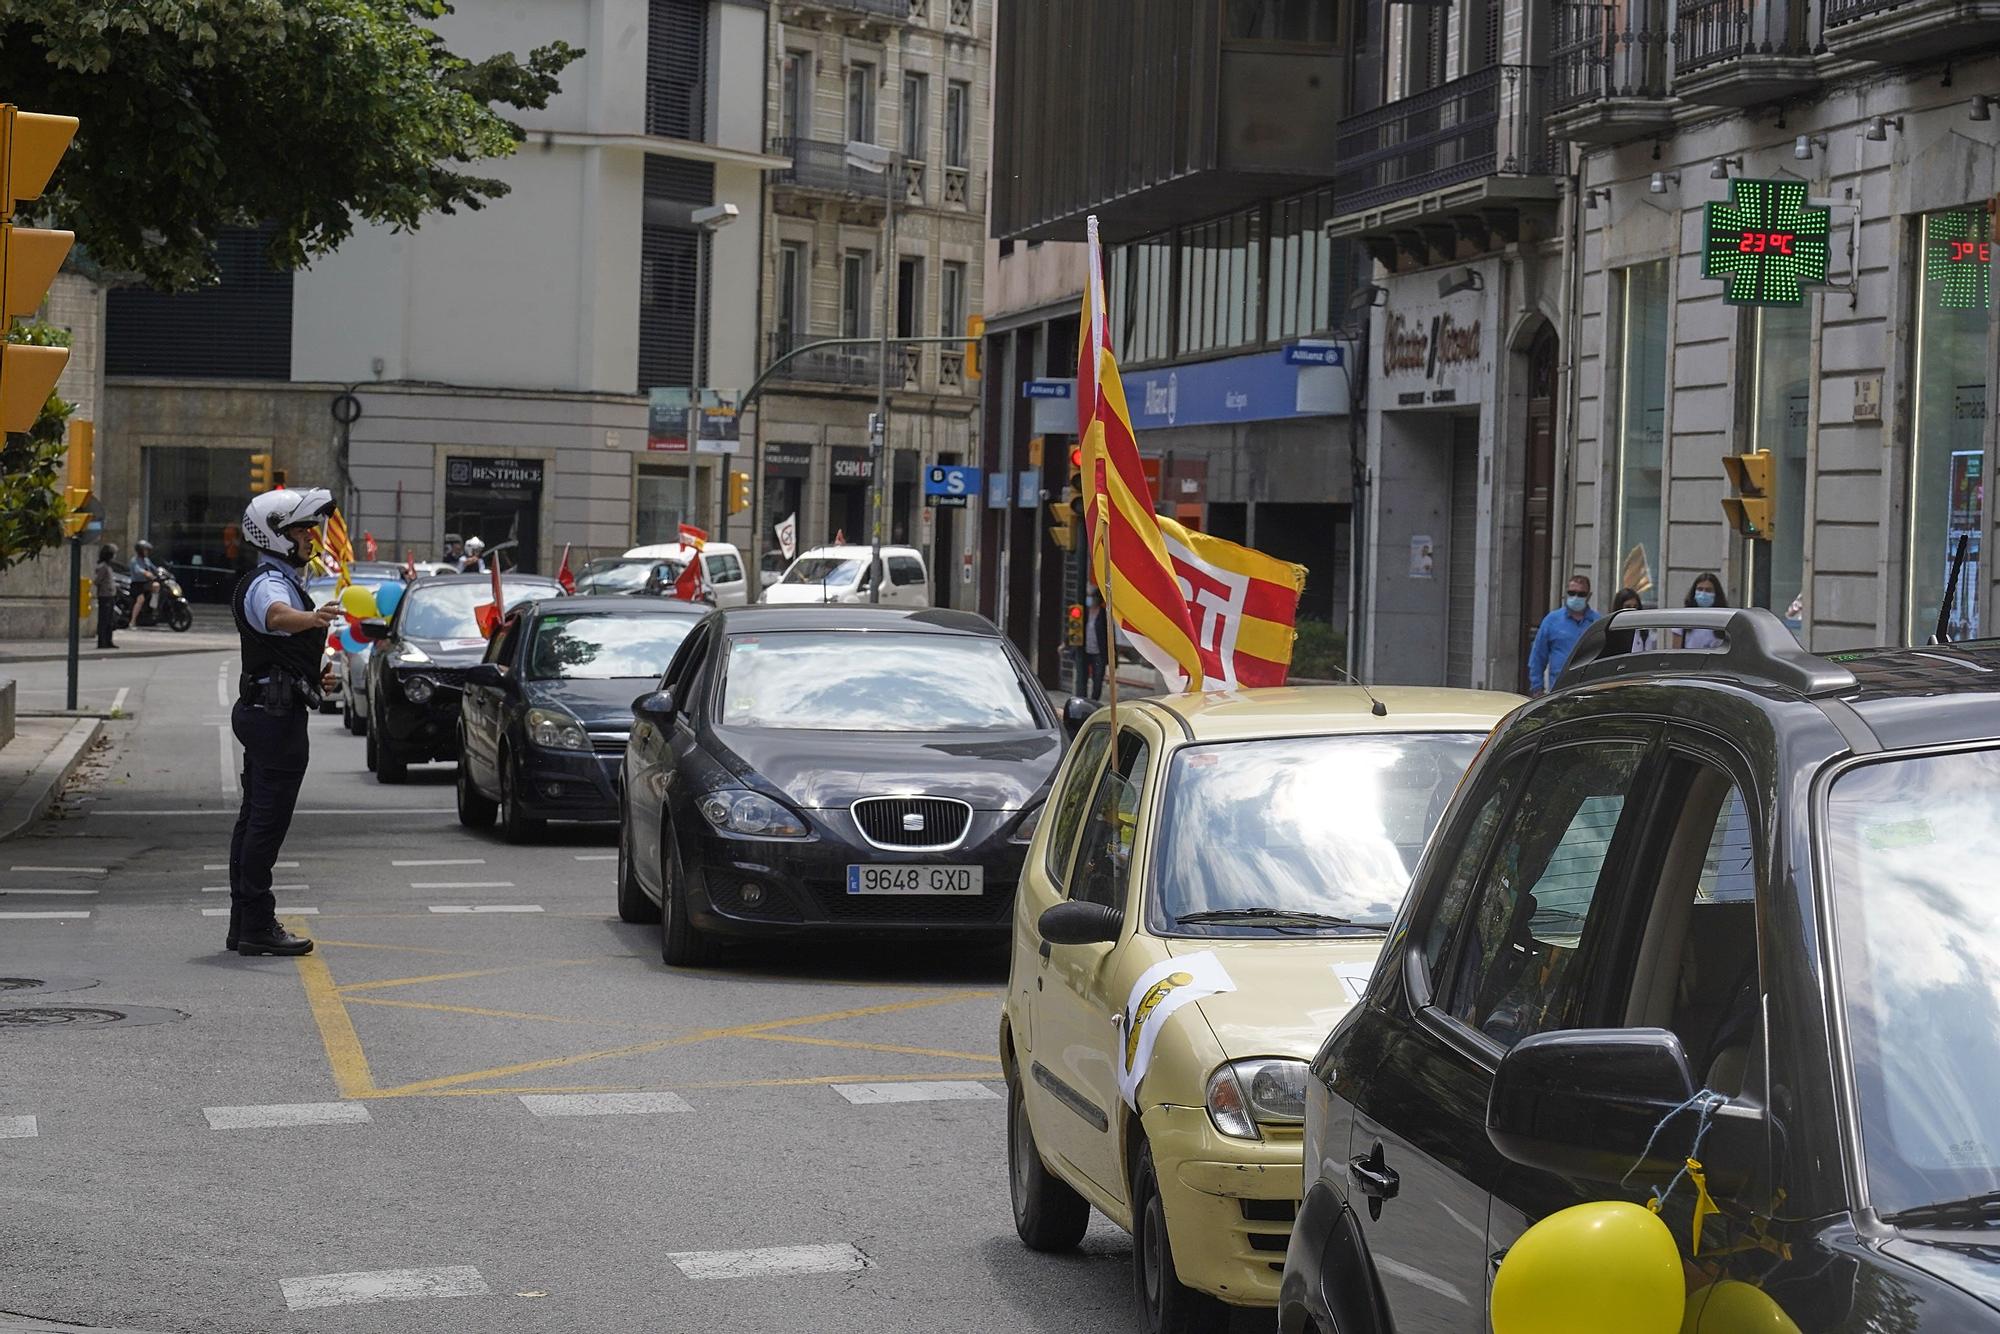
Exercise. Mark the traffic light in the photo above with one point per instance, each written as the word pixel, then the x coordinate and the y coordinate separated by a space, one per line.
pixel 30 146
pixel 975 330
pixel 77 474
pixel 1074 629
pixel 739 492
pixel 1752 510
pixel 277 479
pixel 1067 514
pixel 260 473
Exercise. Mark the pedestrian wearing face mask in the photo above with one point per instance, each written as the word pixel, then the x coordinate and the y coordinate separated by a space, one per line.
pixel 1703 593
pixel 1556 639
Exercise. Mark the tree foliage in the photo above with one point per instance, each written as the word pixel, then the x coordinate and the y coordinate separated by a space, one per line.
pixel 31 468
pixel 306 114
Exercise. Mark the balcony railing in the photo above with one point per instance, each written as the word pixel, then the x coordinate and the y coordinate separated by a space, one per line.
pixel 1607 50
pixel 1709 32
pixel 913 367
pixel 818 165
pixel 1494 122
pixel 887 9
pixel 957 187
pixel 853 365
pixel 915 176
pixel 951 370
pixel 1846 11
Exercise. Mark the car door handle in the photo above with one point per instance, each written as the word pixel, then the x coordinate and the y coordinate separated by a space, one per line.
pixel 1373 1178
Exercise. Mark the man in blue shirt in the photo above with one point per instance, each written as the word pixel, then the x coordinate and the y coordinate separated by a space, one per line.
pixel 1557 637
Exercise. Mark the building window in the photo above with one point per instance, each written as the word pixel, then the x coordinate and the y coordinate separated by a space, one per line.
pixel 854 294
pixel 676 68
pixel 793 274
pixel 909 297
pixel 669 308
pixel 1640 342
pixel 1780 392
pixel 1311 274
pixel 957 124
pixel 1140 298
pixel 1954 356
pixel 662 503
pixel 795 111
pixel 1279 20
pixel 1221 274
pixel 916 120
pixel 239 328
pixel 861 104
pixel 951 298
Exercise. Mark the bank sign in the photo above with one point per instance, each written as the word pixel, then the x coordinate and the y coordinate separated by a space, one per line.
pixel 1263 386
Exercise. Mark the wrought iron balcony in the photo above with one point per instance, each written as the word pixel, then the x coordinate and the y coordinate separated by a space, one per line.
pixel 853 366
pixel 819 165
pixel 1739 53
pixel 1608 71
pixel 1489 127
pixel 1903 30
pixel 876 9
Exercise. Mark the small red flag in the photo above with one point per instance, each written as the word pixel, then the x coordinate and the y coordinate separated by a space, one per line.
pixel 488 613
pixel 409 565
pixel 688 587
pixel 692 536
pixel 368 544
pixel 563 576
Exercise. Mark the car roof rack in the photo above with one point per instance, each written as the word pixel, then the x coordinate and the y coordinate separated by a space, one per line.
pixel 1757 646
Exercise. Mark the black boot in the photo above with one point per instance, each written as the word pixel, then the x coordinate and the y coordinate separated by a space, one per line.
pixel 273 939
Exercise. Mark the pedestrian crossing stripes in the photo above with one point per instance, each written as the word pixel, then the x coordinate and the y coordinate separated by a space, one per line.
pixel 771 1261
pixel 283 910
pixel 60 870
pixel 383 1285
pixel 485 907
pixel 46 915
pixel 461 884
pixel 442 861
pixel 18 1127
pixel 951 1090
pixel 224 866
pixel 46 892
pixel 285 1114
pixel 603 1104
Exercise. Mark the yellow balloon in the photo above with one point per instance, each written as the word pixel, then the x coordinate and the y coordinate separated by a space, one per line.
pixel 359 602
pixel 1730 1307
pixel 1589 1269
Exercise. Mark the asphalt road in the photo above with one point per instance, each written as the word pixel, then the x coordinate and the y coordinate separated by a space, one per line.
pixel 518 1115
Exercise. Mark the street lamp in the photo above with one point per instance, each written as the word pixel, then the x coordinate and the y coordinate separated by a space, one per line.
pixel 707 222
pixel 879 161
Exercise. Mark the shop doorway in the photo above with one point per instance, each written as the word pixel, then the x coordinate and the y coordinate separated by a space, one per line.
pixel 847 494
pixel 194 501
pixel 497 500
pixel 1538 486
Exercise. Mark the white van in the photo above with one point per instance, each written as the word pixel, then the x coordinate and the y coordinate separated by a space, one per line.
pixel 721 565
pixel 840 574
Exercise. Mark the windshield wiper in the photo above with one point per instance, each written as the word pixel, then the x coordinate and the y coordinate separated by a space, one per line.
pixel 1279 916
pixel 1972 1209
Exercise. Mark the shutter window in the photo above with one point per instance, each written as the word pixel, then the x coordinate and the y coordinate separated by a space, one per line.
pixel 676 69
pixel 240 328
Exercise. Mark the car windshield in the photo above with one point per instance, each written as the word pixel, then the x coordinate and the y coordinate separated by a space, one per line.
pixel 1912 843
pixel 1328 825
pixel 323 591
pixel 602 646
pixel 617 576
pixel 445 611
pixel 836 570
pixel 875 682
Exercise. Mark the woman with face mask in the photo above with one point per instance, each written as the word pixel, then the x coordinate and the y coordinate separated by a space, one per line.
pixel 1704 593
pixel 1625 641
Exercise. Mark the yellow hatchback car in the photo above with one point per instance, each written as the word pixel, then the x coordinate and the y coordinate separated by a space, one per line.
pixel 1201 903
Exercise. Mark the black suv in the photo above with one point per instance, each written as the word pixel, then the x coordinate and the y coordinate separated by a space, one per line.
pixel 1745 872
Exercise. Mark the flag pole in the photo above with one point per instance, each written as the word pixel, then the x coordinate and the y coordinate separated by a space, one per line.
pixel 1110 613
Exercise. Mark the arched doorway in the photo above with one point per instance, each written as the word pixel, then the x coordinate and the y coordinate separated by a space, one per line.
pixel 1538 485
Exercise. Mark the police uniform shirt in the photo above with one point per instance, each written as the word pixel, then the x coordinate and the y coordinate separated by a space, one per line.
pixel 275 581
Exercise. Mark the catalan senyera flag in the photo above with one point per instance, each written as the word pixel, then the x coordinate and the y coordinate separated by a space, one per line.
pixel 340 549
pixel 1243 603
pixel 1128 550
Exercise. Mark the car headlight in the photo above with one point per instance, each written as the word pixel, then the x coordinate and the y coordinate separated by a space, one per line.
pixel 418 689
pixel 556 731
pixel 411 653
pixel 1265 1091
pixel 1025 831
pixel 734 811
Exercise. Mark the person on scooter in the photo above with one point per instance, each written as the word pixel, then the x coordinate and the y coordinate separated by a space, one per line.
pixel 145 576
pixel 473 547
pixel 283 641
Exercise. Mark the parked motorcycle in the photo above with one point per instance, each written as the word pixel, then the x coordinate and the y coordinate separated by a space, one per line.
pixel 168 606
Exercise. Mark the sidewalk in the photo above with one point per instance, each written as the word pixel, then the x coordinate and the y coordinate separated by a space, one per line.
pixel 212 633
pixel 36 763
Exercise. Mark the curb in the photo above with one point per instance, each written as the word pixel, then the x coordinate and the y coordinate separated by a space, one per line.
pixel 39 792
pixel 121 654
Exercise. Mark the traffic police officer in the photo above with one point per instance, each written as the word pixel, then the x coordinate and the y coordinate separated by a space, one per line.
pixel 283 642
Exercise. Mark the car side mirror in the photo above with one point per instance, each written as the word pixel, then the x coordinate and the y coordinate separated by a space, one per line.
pixel 1077 923
pixel 1587 1102
pixel 487 674
pixel 656 707
pixel 375 629
pixel 1076 712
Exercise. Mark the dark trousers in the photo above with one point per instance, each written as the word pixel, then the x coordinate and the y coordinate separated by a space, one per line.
pixel 274 767
pixel 107 621
pixel 1093 675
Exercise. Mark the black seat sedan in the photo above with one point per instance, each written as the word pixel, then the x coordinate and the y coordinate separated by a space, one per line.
pixel 419 664
pixel 541 734
pixel 833 770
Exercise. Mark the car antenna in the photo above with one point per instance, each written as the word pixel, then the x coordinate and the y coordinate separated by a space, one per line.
pixel 1943 632
pixel 1376 706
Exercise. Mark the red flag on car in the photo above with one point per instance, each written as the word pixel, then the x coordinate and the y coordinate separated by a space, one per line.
pixel 368 544
pixel 488 613
pixel 563 576
pixel 688 587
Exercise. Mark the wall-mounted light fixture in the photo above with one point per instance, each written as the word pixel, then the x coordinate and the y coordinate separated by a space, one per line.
pixel 1465 280
pixel 1663 181
pixel 1720 170
pixel 1366 295
pixel 1802 147
pixel 1879 127
pixel 1595 193
pixel 1981 108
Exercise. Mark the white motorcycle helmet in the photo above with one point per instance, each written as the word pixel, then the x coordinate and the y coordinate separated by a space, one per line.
pixel 268 515
pixel 473 546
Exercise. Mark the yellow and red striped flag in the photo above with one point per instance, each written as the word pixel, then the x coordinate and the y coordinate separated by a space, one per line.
pixel 1243 603
pixel 1128 552
pixel 339 549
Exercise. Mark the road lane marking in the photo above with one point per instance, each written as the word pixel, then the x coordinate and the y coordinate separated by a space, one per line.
pixel 118 700
pixel 229 776
pixel 771 1261
pixel 886 1048
pixel 344 1055
pixel 485 907
pixel 383 1285
pixel 5 892
pixel 224 866
pixel 597 856
pixel 348 988
pixel 283 911
pixel 461 884
pixel 381 812
pixel 284 1114
pixel 275 889
pixel 222 684
pixel 443 861
pixel 954 1090
pixel 44 916
pixel 19 1127
pixel 61 870
pixel 603 1104
pixel 443 1008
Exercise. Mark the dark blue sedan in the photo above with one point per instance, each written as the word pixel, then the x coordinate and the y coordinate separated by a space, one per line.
pixel 548 710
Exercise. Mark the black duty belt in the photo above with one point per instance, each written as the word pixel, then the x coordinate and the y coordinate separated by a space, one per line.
pixel 279 692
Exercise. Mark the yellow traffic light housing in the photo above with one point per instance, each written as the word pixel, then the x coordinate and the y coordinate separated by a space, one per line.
pixel 975 332
pixel 80 466
pixel 1062 524
pixel 1075 627
pixel 739 492
pixel 260 473
pixel 1752 511
pixel 31 145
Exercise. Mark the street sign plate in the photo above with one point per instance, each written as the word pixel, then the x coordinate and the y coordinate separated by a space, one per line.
pixel 1315 354
pixel 1029 493
pixel 1048 389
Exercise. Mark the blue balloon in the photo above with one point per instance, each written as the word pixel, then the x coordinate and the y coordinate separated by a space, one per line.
pixel 389 596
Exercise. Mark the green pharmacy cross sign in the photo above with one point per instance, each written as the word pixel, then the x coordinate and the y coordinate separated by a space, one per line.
pixel 1766 241
pixel 1958 258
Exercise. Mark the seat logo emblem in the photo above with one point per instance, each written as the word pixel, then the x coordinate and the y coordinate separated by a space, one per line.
pixel 913 823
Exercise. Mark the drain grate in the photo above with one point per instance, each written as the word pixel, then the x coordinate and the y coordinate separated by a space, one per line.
pixel 83 1016
pixel 11 986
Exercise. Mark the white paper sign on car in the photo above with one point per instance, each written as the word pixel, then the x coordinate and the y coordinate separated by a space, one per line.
pixel 1161 990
